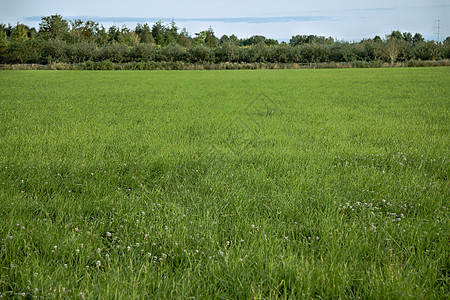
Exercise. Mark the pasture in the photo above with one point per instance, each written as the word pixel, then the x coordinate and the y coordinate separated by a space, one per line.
pixel 225 184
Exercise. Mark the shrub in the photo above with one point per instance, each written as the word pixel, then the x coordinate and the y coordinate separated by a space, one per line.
pixel 143 52
pixel 80 52
pixel 114 52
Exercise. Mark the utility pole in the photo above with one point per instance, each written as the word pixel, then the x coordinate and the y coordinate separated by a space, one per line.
pixel 437 27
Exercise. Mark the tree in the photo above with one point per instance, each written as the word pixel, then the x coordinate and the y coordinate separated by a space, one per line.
pixel 114 52
pixel 101 37
pixel 281 54
pixel 183 38
pixel 201 54
pixel 54 50
pixel 256 39
pixel 407 37
pixel 377 39
pixel 297 40
pixel 425 50
pixel 271 42
pixel 83 31
pixel 417 38
pixel 173 31
pixel 144 33
pixel 227 52
pixel 142 52
pixel 392 49
pixel 315 52
pixel 224 39
pixel 28 51
pixel 129 38
pixel 53 27
pixel 80 52
pixel 373 49
pixel 173 52
pixel 446 48
pixel 396 35
pixel 207 38
pixel 161 34
pixel 20 33
pixel 3 44
pixel 115 35
pixel 7 29
pixel 255 53
pixel 310 39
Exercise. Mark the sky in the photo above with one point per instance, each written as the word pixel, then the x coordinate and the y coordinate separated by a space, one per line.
pixel 350 20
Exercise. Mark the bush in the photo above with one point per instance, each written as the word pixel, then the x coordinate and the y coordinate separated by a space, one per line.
pixel 312 53
pixel 200 54
pixel 114 52
pixel 142 52
pixel 80 52
pixel 173 52
pixel 28 51
pixel 228 52
pixel 255 53
pixel 426 51
pixel 54 50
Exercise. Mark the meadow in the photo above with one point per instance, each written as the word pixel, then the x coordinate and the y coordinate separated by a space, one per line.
pixel 225 184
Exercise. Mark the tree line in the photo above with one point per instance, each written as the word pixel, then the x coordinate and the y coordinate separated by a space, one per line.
pixel 64 41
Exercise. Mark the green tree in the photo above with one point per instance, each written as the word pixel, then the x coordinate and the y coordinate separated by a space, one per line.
pixel 114 52
pixel 256 53
pixel 281 54
pixel 142 52
pixel 83 31
pixel 407 37
pixel 20 33
pixel 81 52
pixel 377 39
pixel 129 37
pixel 101 38
pixel 144 33
pixel 373 49
pixel 53 27
pixel 28 51
pixel 446 48
pixel 426 50
pixel 271 42
pixel 417 38
pixel 227 52
pixel 183 38
pixel 3 45
pixel 173 52
pixel 297 40
pixel 7 29
pixel 54 50
pixel 256 39
pixel 115 35
pixel 314 52
pixel 200 54
pixel 396 35
pixel 162 34
pixel 206 37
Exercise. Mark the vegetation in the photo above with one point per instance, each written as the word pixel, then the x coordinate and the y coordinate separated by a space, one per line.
pixel 284 183
pixel 62 41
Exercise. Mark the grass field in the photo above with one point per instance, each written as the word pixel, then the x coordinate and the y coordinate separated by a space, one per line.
pixel 225 184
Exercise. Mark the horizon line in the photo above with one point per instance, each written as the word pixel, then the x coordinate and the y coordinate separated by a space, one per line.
pixel 250 20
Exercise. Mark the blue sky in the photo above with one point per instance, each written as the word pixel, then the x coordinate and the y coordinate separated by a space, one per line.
pixel 281 19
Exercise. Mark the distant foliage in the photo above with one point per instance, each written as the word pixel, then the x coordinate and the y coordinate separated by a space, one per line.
pixel 62 41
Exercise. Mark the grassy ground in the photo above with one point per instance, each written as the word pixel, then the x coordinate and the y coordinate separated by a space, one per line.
pixel 225 184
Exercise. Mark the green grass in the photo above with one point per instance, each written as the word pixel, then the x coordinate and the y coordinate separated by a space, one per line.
pixel 225 184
